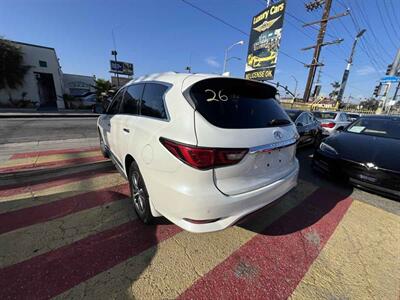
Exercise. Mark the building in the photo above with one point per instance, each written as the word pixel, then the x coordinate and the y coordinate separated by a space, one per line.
pixel 43 83
pixel 77 85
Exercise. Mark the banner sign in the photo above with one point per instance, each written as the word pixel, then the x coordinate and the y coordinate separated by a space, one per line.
pixel 121 67
pixel 388 79
pixel 265 36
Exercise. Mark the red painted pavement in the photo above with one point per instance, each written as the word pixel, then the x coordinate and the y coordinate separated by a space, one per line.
pixel 59 163
pixel 271 265
pixel 52 273
pixel 57 209
pixel 52 152
pixel 11 190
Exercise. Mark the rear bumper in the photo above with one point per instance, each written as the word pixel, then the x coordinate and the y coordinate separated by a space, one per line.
pixel 210 204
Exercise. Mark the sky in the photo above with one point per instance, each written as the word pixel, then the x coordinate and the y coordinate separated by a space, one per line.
pixel 168 35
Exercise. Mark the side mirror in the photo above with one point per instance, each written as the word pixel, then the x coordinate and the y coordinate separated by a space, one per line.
pixel 299 125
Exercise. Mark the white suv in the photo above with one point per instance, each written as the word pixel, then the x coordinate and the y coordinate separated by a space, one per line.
pixel 201 150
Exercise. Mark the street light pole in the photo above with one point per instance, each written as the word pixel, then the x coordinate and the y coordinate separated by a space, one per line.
pixel 226 54
pixel 349 63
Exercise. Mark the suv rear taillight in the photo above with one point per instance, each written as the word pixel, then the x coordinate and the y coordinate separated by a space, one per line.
pixel 328 125
pixel 204 158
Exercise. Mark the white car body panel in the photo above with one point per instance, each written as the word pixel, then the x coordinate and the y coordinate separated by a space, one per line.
pixel 179 191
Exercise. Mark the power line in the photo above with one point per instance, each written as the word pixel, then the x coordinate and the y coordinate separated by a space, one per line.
pixel 384 24
pixel 390 19
pixel 214 16
pixel 233 27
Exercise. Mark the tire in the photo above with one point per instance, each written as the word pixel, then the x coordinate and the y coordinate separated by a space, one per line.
pixel 103 148
pixel 139 194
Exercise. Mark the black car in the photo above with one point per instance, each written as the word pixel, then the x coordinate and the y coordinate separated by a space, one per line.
pixel 308 127
pixel 367 153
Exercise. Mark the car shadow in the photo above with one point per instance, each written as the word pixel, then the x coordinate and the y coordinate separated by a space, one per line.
pixel 313 198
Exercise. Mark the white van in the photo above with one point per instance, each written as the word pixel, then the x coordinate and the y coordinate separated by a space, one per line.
pixel 201 150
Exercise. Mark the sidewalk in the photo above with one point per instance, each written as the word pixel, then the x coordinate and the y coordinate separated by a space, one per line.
pixel 34 113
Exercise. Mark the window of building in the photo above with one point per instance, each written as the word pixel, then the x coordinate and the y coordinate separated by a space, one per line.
pixel 43 63
pixel 152 104
pixel 132 99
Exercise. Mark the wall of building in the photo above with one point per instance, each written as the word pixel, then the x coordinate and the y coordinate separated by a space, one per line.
pixel 32 55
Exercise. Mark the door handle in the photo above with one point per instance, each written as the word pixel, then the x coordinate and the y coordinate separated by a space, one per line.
pixel 126 130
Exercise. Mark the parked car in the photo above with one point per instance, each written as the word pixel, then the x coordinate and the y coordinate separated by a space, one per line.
pixel 332 121
pixel 308 127
pixel 89 100
pixel 353 116
pixel 201 150
pixel 367 153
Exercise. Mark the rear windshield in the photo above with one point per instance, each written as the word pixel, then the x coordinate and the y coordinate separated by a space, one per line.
pixel 237 103
pixel 324 115
pixel 383 127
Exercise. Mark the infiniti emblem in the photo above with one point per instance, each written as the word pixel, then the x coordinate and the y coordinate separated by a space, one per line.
pixel 278 135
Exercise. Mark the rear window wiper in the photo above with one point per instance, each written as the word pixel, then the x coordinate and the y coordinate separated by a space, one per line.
pixel 275 122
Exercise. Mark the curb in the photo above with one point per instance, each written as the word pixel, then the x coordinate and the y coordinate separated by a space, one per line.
pixel 22 177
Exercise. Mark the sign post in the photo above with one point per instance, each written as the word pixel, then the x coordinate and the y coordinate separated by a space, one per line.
pixel 265 36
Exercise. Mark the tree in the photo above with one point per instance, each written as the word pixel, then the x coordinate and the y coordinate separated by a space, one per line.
pixel 370 104
pixel 12 69
pixel 102 86
pixel 335 91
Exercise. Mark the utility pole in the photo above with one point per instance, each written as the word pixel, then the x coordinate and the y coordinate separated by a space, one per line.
pixel 349 63
pixel 320 40
pixel 392 70
pixel 317 87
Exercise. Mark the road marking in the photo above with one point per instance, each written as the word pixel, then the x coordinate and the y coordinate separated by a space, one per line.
pixel 167 270
pixel 47 275
pixel 360 261
pixel 67 186
pixel 271 264
pixel 37 165
pixel 60 208
pixel 25 243
pixel 52 152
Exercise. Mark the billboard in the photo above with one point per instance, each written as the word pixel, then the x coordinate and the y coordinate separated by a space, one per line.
pixel 265 36
pixel 121 67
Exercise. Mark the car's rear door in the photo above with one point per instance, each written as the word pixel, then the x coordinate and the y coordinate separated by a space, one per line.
pixel 235 113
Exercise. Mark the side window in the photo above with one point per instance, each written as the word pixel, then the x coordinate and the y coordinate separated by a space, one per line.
pixel 343 117
pixel 152 104
pixel 301 119
pixel 114 108
pixel 132 99
pixel 309 119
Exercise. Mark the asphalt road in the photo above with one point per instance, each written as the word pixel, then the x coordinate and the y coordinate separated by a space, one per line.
pixel 46 129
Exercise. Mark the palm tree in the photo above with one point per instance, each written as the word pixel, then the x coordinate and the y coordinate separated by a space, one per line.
pixel 12 69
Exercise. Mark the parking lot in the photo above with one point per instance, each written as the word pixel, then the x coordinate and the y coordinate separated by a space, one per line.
pixel 75 235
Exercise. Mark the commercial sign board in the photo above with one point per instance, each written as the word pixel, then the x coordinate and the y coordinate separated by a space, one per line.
pixel 388 79
pixel 121 67
pixel 265 36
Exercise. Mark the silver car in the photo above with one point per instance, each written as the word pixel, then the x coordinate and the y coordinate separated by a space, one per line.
pixel 332 121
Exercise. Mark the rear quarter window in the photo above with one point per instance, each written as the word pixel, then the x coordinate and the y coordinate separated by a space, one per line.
pixel 237 103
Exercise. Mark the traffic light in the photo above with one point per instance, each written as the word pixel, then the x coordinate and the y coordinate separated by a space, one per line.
pixel 389 68
pixel 376 90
